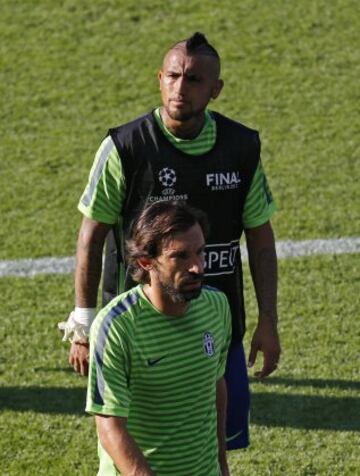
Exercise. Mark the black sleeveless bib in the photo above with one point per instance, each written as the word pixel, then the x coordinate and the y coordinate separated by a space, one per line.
pixel 216 182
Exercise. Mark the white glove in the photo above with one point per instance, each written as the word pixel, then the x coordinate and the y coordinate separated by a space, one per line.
pixel 77 327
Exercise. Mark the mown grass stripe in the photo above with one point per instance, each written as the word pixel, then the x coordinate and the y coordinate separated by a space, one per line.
pixel 285 249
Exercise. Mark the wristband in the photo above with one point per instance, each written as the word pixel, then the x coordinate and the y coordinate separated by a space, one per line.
pixel 77 327
pixel 84 316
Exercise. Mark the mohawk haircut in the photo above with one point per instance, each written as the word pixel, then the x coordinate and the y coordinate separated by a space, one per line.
pixel 198 44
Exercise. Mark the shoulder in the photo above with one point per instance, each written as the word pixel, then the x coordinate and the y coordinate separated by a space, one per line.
pixel 118 314
pixel 106 146
pixel 105 152
pixel 133 126
pixel 210 293
pixel 222 120
pixel 124 302
pixel 218 306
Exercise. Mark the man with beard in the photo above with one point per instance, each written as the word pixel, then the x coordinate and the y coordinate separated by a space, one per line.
pixel 184 151
pixel 158 355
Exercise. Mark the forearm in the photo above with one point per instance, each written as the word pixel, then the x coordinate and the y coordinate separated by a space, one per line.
pixel 263 266
pixel 87 276
pixel 121 447
pixel 221 399
pixel 89 262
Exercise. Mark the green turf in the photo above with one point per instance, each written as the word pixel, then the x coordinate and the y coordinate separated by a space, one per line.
pixel 70 70
pixel 305 418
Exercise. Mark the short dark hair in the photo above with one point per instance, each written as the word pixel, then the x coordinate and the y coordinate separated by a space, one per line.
pixel 197 43
pixel 155 226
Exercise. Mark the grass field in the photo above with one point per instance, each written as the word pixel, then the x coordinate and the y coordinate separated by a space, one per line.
pixel 70 70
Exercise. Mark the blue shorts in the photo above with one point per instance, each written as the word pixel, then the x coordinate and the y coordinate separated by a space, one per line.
pixel 238 399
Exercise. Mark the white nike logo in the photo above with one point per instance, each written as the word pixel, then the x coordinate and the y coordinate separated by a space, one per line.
pixel 232 437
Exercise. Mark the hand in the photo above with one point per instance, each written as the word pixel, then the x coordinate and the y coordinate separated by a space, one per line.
pixel 79 357
pixel 266 340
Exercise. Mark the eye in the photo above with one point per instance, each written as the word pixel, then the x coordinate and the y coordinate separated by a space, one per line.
pixel 180 255
pixel 193 79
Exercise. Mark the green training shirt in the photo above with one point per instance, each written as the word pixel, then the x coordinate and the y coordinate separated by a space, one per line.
pixel 105 192
pixel 160 372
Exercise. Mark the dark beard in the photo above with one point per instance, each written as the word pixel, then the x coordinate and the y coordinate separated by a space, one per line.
pixel 179 296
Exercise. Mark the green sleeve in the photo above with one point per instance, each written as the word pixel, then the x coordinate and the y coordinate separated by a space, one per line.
pixel 109 368
pixel 259 204
pixel 104 194
pixel 226 340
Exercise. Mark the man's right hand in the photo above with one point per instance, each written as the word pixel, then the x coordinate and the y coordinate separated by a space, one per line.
pixel 87 277
pixel 79 357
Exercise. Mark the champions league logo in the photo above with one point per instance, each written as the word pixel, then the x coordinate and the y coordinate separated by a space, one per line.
pixel 209 347
pixel 167 177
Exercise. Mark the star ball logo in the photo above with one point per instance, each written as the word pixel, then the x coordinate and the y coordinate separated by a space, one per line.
pixel 167 177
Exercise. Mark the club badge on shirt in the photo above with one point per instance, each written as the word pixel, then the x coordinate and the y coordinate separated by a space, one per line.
pixel 209 346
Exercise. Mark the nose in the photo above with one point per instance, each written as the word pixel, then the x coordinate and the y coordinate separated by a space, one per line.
pixel 197 265
pixel 180 85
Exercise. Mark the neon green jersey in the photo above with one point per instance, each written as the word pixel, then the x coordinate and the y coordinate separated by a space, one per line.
pixel 160 372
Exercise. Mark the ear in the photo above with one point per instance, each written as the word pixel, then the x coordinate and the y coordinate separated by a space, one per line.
pixel 145 263
pixel 160 75
pixel 216 89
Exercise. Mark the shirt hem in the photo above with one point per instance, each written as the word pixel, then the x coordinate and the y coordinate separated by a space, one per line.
pixel 99 410
pixel 93 216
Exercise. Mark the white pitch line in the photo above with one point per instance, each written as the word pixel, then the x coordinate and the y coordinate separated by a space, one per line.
pixel 32 267
pixel 285 249
pixel 295 249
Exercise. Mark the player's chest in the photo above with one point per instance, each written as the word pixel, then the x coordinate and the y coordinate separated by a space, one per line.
pixel 176 356
pixel 191 178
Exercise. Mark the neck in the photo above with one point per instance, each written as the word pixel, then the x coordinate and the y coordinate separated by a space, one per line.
pixel 163 302
pixel 188 129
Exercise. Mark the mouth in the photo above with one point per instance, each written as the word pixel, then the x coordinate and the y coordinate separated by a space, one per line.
pixel 178 102
pixel 192 284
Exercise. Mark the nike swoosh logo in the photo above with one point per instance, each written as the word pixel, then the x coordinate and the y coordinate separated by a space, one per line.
pixel 152 362
pixel 230 438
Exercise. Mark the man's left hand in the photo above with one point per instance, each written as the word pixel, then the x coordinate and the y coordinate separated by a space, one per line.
pixel 79 357
pixel 266 340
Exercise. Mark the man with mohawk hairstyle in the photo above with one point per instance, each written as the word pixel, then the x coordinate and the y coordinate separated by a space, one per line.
pixel 185 151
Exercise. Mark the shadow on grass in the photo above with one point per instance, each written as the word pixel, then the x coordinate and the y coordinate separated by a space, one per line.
pixel 316 383
pixel 57 400
pixel 268 409
pixel 306 411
